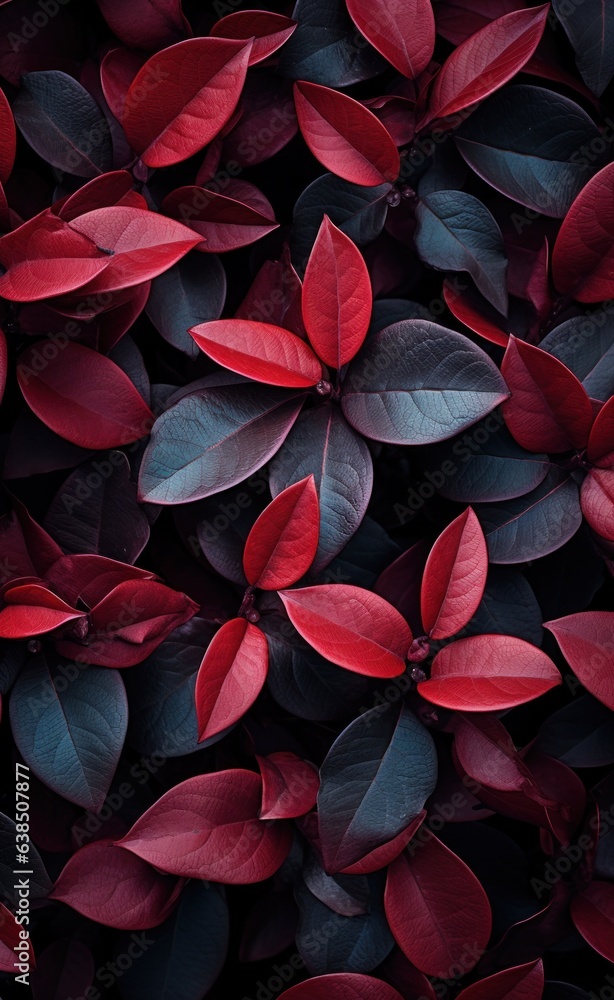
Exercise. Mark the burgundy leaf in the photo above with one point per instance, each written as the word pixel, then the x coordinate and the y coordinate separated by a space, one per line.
pixel 484 673
pixel 341 986
pixel 437 910
pixel 601 441
pixel 182 97
pixel 592 912
pixel 9 138
pixel 117 71
pixel 336 296
pixel 289 786
pixel 404 33
pixel 382 856
pixel 587 643
pixel 454 577
pixel 260 351
pixel 82 396
pixel 11 941
pixel 485 61
pixel 549 409
pixel 584 249
pixel 115 888
pixel 282 544
pixel 207 827
pixel 345 136
pixel 230 677
pixel 597 501
pixel 226 221
pixel 129 623
pixel 268 30
pixel 524 982
pixel 351 627
pixel 146 24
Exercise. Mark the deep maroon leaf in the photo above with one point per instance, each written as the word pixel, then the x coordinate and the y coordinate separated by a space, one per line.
pixel 341 986
pixel 549 409
pixel 82 396
pixel 437 909
pixel 584 248
pixel 268 30
pixel 207 827
pixel 116 888
pixel 592 912
pixel 289 786
pixel 524 982
pixel 146 24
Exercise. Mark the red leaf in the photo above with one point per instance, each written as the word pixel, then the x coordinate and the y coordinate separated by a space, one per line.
pixel 474 311
pixel 129 623
pixel 483 673
pixel 142 244
pixel 341 986
pixel 260 351
pixel 82 396
pixel 437 910
pixel 8 137
pixel 403 32
pixel 207 827
pixel 350 627
pixel 289 786
pixel 583 255
pixel 601 441
pixel 103 191
pixel 90 578
pixel 592 911
pixel 524 982
pixel 336 296
pixel 146 24
pixel 116 888
pixel 485 61
pixel 182 97
pixel 268 30
pixel 597 501
pixel 587 643
pixel 226 221
pixel 486 753
pixel 11 941
pixel 117 71
pixel 382 856
pixel 33 610
pixel 230 677
pixel 345 136
pixel 549 409
pixel 282 544
pixel 454 577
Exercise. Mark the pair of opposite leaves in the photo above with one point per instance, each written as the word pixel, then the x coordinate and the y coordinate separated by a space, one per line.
pixel 361 631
